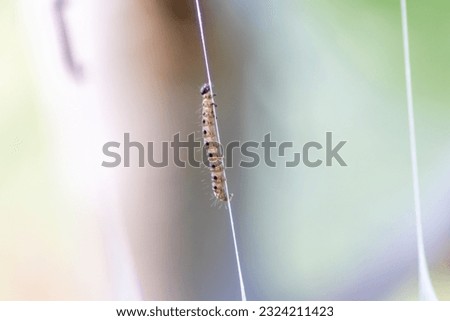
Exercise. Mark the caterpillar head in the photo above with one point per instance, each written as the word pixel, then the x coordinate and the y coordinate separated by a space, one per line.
pixel 205 89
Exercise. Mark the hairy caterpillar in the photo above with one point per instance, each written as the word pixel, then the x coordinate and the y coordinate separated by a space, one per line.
pixel 212 145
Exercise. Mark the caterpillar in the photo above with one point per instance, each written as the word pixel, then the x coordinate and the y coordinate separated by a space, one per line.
pixel 212 145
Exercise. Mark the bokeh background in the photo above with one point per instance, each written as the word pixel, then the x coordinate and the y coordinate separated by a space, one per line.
pixel 72 229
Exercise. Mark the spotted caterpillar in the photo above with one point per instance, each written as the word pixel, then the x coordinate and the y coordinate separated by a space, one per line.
pixel 212 145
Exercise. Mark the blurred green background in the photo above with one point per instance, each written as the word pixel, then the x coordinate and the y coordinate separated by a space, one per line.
pixel 295 68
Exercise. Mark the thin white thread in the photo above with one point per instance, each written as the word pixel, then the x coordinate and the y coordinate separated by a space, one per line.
pixel 202 35
pixel 426 291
